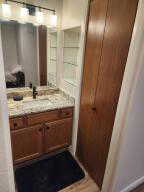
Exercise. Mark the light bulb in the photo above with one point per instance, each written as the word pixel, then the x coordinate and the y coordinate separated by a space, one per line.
pixel 24 13
pixel 6 10
pixel 39 17
pixel 53 20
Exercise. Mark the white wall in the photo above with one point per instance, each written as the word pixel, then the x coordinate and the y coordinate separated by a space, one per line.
pixel 73 13
pixel 125 166
pixel 130 166
pixel 6 169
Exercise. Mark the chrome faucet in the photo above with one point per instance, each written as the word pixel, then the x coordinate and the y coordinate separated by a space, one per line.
pixel 35 93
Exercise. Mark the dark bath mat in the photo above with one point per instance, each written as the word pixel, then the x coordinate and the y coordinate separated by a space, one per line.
pixel 49 175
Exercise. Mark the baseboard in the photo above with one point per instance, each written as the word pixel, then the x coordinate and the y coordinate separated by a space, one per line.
pixel 134 185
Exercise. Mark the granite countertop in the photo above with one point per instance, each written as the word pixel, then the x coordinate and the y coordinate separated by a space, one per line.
pixel 42 103
pixel 27 92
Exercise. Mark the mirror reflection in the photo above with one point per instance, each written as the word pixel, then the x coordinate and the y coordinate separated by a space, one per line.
pixel 30 54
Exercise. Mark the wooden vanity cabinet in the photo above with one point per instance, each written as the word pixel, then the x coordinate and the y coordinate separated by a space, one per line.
pixel 40 133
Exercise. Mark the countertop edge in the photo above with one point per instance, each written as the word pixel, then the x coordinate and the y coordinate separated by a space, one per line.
pixel 40 111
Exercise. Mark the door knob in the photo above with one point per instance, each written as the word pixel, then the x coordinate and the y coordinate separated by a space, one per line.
pixel 94 108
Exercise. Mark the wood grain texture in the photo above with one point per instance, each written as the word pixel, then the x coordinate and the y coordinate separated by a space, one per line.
pixel 139 188
pixel 43 54
pixel 43 117
pixel 27 143
pixel 84 185
pixel 57 134
pixel 34 135
pixel 18 122
pixel 49 116
pixel 98 108
pixel 86 147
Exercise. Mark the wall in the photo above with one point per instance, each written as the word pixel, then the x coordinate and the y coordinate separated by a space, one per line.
pixel 125 168
pixel 6 169
pixel 130 166
pixel 73 13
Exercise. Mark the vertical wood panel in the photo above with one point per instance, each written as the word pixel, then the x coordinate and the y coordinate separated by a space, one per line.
pixel 27 143
pixel 57 135
pixel 43 55
pixel 86 148
pixel 102 79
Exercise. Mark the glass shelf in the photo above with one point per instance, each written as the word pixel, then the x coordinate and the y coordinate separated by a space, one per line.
pixel 53 59
pixel 71 63
pixel 71 51
pixel 71 47
pixel 70 81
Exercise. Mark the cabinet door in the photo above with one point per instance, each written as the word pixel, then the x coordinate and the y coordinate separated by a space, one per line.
pixel 27 143
pixel 57 134
pixel 18 123
pixel 87 133
pixel 110 26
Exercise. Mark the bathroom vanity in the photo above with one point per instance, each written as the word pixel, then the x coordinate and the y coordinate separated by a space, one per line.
pixel 40 126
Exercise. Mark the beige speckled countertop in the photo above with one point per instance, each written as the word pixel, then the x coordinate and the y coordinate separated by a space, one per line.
pixel 42 103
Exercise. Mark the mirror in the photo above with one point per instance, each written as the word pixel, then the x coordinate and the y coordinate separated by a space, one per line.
pixel 30 54
pixel 52 58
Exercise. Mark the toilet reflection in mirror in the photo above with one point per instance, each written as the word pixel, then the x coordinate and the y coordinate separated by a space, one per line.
pixel 30 54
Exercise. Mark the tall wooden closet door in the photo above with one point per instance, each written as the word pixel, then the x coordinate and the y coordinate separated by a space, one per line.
pixel 107 45
pixel 86 147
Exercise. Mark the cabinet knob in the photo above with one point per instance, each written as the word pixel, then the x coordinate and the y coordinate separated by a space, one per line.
pixel 40 129
pixel 66 113
pixel 15 124
pixel 47 127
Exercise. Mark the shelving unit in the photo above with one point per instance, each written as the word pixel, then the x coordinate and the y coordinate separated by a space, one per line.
pixel 71 49
pixel 52 59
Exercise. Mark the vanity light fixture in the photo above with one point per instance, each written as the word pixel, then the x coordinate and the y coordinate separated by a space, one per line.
pixel 24 13
pixel 39 17
pixel 6 10
pixel 53 20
